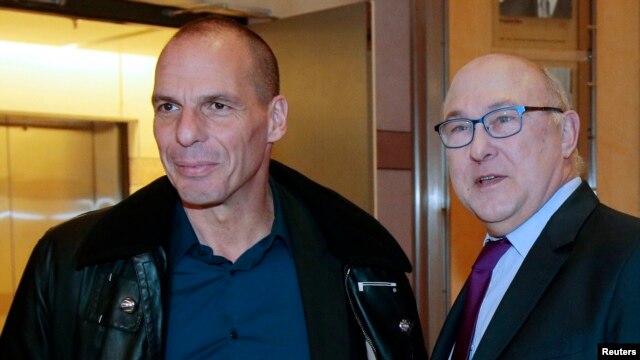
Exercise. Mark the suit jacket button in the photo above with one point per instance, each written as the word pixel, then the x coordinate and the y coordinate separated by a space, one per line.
pixel 405 325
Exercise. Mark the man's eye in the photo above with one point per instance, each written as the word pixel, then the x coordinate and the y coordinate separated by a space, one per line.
pixel 457 128
pixel 166 107
pixel 218 106
pixel 504 119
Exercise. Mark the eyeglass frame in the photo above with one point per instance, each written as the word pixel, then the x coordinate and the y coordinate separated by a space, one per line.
pixel 521 109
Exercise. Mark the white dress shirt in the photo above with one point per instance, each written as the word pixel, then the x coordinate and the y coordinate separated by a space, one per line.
pixel 522 239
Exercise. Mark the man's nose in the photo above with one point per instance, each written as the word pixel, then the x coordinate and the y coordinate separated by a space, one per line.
pixel 190 128
pixel 481 146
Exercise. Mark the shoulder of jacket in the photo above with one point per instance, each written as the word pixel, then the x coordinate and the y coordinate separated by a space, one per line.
pixel 135 225
pixel 351 233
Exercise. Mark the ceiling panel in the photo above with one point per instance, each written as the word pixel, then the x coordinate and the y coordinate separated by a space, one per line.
pixel 25 27
pixel 20 25
pixel 252 9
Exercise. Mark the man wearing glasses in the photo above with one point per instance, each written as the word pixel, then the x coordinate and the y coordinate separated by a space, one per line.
pixel 558 273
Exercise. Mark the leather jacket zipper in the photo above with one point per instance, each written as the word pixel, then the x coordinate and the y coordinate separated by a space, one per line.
pixel 355 313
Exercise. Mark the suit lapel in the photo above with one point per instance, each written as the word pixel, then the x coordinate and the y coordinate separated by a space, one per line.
pixel 538 270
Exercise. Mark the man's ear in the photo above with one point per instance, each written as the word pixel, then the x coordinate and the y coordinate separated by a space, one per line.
pixel 278 109
pixel 570 132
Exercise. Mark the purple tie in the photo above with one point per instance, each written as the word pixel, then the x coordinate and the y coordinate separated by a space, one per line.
pixel 478 283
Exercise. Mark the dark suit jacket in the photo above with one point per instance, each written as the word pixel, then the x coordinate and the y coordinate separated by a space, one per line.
pixel 579 286
pixel 530 8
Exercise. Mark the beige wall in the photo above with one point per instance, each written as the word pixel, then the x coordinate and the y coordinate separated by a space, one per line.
pixel 616 102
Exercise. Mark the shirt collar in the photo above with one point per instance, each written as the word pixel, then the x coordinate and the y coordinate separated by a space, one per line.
pixel 279 228
pixel 183 237
pixel 524 236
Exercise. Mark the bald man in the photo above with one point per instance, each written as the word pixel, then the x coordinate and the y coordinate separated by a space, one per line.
pixel 231 255
pixel 560 269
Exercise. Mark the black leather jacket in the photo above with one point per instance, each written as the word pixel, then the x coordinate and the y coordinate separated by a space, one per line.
pixel 93 287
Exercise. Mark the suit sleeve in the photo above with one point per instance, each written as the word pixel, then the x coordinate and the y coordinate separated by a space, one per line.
pixel 624 319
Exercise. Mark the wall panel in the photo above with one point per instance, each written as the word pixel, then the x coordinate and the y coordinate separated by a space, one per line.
pixel 618 103
pixel 325 74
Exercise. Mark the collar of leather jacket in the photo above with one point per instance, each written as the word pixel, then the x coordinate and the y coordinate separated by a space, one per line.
pixel 141 223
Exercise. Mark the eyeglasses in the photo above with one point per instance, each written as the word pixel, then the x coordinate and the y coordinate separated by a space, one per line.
pixel 499 123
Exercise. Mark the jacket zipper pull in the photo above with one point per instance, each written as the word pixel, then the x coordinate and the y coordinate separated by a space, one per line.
pixel 362 284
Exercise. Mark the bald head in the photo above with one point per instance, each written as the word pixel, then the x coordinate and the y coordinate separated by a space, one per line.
pixel 503 79
pixel 263 66
pixel 497 69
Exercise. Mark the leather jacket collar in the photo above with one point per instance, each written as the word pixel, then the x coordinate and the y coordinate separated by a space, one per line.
pixel 140 223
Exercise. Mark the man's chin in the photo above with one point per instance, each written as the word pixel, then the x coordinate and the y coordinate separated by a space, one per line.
pixel 199 204
pixel 490 216
pixel 199 197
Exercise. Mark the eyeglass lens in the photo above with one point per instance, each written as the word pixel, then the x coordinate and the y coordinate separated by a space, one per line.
pixel 499 124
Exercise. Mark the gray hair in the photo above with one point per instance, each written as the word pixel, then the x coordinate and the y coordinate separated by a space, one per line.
pixel 558 97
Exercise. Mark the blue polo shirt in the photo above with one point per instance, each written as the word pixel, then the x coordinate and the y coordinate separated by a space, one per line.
pixel 250 309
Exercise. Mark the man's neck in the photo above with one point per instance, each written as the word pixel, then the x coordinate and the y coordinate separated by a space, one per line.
pixel 231 230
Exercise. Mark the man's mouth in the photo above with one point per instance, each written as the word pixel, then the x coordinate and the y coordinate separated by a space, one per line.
pixel 194 168
pixel 198 165
pixel 487 179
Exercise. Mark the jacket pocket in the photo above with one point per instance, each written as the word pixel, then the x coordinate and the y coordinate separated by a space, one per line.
pixel 114 301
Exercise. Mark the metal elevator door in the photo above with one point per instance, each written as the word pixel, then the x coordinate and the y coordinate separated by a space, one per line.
pixel 49 174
